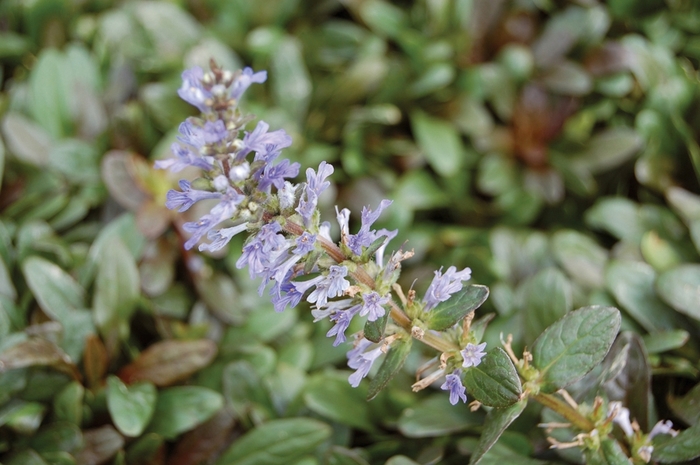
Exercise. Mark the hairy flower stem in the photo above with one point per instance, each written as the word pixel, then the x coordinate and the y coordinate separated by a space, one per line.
pixel 565 410
pixel 360 275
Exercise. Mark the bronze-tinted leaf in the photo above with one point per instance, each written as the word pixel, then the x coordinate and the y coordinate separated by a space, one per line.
pixel 100 445
pixel 203 442
pixel 167 362
pixel 37 352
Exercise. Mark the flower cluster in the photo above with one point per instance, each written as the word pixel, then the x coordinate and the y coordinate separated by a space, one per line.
pixel 642 446
pixel 288 247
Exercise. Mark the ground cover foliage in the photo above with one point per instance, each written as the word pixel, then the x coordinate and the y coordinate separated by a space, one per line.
pixel 549 146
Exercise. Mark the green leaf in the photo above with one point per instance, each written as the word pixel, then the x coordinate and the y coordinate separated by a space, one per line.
pixel 277 442
pixel 631 383
pixel 56 291
pixel 574 345
pixel 58 436
pixel 688 406
pixel 145 450
pixel 497 420
pixel 181 408
pixel 549 297
pixel 131 407
pixel 68 403
pixel 25 457
pixel 664 341
pixel 333 397
pixel 609 149
pixel 452 311
pixel 618 216
pixel 580 256
pixel 51 92
pixel 439 141
pixel 435 417
pixel 374 330
pixel 680 288
pixel 291 83
pixel 390 367
pixel 682 448
pixel 117 287
pixel 494 382
pixel 632 285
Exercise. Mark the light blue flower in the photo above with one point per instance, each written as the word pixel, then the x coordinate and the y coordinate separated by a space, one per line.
pixel 372 305
pixel 444 285
pixel 472 354
pixel 453 383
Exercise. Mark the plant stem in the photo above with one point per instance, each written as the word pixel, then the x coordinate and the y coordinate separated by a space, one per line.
pixel 361 276
pixel 565 410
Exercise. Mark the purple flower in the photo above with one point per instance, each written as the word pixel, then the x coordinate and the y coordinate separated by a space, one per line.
pixel 663 427
pixel 274 175
pixel 262 250
pixel 199 136
pixel 342 320
pixel 305 243
pixel 222 211
pixel 291 297
pixel 372 305
pixel 307 207
pixel 379 254
pixel 220 237
pixel 336 280
pixel 182 201
pixel 443 286
pixel 244 80
pixel 365 236
pixel 192 90
pixel 472 354
pixel 184 158
pixel 266 145
pixel 362 363
pixel 453 383
pixel 316 180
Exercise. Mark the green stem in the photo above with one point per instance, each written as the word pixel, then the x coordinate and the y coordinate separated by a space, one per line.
pixel 565 410
pixel 360 275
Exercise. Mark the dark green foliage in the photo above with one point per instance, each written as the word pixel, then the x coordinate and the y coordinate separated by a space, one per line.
pixel 549 146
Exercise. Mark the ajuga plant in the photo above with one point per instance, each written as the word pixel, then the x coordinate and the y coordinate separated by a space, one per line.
pixel 289 248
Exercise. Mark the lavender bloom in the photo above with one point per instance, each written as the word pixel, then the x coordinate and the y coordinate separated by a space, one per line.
pixel 266 145
pixel 274 175
pixel 291 297
pixel 182 201
pixel 221 237
pixel 305 243
pixel 307 207
pixel 453 383
pixel 621 416
pixel 316 180
pixel 336 280
pixel 443 286
pixel 663 427
pixel 331 308
pixel 199 136
pixel 262 250
pixel 342 320
pixel 362 363
pixel 472 354
pixel 222 211
pixel 360 346
pixel 373 305
pixel 365 237
pixel 192 90
pixel 184 158
pixel 244 80
pixel 379 254
pixel 343 217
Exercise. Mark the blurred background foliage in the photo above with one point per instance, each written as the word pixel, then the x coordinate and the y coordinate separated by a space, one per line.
pixel 551 146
